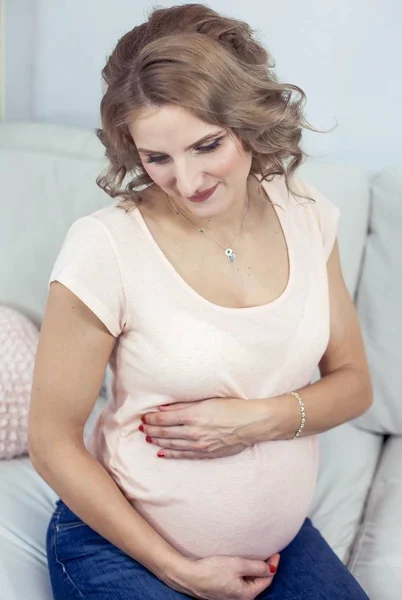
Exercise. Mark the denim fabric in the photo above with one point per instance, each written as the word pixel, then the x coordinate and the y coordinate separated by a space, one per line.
pixel 84 565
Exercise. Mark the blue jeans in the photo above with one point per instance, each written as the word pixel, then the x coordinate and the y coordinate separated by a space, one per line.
pixel 84 565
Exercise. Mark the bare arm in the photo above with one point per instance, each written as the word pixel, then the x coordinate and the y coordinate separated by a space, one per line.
pixel 73 351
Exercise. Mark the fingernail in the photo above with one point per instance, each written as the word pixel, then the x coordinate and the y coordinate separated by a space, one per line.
pixel 143 419
pixel 148 439
pixel 272 568
pixel 161 454
pixel 141 427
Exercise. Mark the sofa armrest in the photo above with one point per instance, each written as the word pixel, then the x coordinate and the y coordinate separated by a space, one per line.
pixel 348 461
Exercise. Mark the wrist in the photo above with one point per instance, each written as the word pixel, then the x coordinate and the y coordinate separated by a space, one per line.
pixel 263 419
pixel 280 418
pixel 174 570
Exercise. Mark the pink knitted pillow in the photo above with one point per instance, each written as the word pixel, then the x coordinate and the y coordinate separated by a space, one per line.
pixel 18 343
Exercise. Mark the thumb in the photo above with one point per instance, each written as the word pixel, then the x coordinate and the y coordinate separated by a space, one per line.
pixel 274 561
pixel 255 568
pixel 259 584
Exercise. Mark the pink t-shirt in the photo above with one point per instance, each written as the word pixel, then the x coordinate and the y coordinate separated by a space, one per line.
pixel 174 345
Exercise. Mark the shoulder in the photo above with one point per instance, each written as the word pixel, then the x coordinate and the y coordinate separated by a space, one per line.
pixel 111 217
pixel 284 197
pixel 307 206
pixel 302 194
pixel 322 211
pixel 96 238
pixel 111 223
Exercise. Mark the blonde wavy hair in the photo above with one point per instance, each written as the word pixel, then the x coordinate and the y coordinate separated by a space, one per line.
pixel 212 66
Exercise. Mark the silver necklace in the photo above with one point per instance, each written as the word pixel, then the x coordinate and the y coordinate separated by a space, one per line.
pixel 230 254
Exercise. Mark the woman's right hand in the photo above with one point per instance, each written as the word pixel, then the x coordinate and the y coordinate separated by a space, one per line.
pixel 225 578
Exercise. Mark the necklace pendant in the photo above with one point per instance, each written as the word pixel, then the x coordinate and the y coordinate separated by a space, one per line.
pixel 230 254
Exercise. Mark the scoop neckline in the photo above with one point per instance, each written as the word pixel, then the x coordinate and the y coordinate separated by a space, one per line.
pixel 272 193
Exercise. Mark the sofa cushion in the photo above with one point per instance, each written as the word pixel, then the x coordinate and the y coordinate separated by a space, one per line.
pixel 18 343
pixel 44 193
pixel 379 304
pixel 376 560
pixel 26 505
pixel 51 139
pixel 348 460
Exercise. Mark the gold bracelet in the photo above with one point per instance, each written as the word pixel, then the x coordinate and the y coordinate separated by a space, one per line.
pixel 303 414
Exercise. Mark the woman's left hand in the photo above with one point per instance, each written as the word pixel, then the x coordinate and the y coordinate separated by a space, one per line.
pixel 210 428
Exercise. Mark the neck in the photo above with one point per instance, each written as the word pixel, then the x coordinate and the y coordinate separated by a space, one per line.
pixel 225 224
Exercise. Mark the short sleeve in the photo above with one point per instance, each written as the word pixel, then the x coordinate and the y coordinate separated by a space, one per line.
pixel 87 265
pixel 326 215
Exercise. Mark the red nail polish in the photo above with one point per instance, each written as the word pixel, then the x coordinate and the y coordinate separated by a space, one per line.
pixel 272 568
pixel 161 454
pixel 143 419
pixel 141 427
pixel 148 439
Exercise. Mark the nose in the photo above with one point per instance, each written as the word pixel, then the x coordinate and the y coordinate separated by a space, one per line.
pixel 188 180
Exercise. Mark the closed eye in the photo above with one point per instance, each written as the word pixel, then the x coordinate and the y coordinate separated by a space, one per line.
pixel 202 149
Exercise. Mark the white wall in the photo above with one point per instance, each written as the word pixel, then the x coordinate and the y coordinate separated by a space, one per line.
pixel 19 58
pixel 345 54
pixel 2 21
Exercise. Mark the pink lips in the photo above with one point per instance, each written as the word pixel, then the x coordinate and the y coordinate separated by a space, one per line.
pixel 201 197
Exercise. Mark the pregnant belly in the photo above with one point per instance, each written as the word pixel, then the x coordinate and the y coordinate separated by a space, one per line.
pixel 250 505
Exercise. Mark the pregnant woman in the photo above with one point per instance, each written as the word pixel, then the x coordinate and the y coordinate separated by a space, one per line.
pixel 212 286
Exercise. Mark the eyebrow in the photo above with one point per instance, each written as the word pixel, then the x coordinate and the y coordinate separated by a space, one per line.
pixel 197 143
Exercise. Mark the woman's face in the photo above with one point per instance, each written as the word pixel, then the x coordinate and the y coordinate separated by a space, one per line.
pixel 173 151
